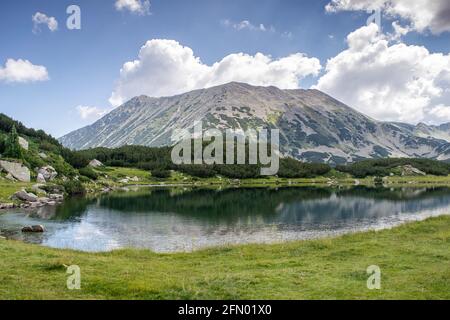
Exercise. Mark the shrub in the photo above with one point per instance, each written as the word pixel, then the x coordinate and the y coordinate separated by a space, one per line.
pixel 161 173
pixel 12 146
pixel 89 173
pixel 74 187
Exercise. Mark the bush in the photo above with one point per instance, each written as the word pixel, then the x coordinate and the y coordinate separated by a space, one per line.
pixel 384 167
pixel 12 146
pixel 89 173
pixel 161 173
pixel 74 188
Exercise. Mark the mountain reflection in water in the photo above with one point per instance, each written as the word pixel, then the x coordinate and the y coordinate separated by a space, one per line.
pixel 183 219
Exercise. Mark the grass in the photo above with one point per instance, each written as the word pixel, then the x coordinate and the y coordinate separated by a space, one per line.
pixel 414 261
pixel 8 188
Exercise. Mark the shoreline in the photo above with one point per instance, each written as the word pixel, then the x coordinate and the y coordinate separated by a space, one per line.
pixel 106 186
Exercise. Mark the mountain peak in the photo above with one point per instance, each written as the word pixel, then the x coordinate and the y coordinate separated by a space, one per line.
pixel 313 126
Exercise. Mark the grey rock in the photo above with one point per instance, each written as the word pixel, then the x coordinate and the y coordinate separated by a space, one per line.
pixel 48 172
pixel 23 143
pixel 27 229
pixel 40 178
pixel 25 196
pixel 16 170
pixel 38 228
pixel 95 163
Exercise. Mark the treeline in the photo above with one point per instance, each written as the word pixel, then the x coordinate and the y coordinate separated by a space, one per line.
pixel 386 167
pixel 158 161
pixel 7 124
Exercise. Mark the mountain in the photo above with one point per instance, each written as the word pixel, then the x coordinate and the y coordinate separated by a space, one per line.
pixel 313 126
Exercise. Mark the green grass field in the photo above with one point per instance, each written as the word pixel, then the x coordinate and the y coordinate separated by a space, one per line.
pixel 8 188
pixel 414 261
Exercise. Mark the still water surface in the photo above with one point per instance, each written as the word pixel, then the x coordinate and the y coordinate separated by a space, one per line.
pixel 180 219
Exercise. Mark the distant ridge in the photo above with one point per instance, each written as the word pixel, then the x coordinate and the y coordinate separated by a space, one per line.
pixel 313 126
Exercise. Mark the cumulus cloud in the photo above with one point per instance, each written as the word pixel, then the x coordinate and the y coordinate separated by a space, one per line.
pixel 22 71
pixel 165 67
pixel 141 7
pixel 395 82
pixel 91 113
pixel 423 15
pixel 40 18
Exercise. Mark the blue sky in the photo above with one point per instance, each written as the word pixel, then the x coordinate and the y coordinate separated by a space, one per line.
pixel 84 65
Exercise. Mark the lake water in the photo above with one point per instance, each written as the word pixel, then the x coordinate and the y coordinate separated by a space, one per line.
pixel 183 219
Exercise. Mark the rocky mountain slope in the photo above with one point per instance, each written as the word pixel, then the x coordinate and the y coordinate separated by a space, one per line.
pixel 313 126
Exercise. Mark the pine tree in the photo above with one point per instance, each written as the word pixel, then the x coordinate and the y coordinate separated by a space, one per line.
pixel 12 148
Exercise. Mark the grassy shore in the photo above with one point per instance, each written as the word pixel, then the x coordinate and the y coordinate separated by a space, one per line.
pixel 414 261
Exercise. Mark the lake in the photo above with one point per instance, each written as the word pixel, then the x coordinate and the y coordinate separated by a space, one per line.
pixel 186 219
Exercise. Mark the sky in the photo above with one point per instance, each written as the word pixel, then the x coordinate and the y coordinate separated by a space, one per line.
pixel 60 77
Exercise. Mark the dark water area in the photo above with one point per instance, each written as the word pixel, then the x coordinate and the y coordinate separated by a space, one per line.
pixel 185 219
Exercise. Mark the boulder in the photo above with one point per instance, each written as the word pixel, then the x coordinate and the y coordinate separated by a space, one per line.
pixel 23 143
pixel 25 196
pixel 43 155
pixel 40 178
pixel 16 170
pixel 48 172
pixel 37 228
pixel 134 179
pixel 409 170
pixel 95 164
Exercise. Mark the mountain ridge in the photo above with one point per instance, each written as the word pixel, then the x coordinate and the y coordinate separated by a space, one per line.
pixel 313 126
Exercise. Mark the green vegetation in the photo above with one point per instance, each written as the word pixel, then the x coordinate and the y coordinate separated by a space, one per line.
pixel 11 145
pixel 158 161
pixel 413 258
pixel 7 189
pixel 387 167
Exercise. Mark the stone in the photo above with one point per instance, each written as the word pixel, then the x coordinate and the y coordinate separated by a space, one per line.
pixel 409 170
pixel 27 229
pixel 134 179
pixel 16 170
pixel 40 178
pixel 23 143
pixel 95 164
pixel 124 181
pixel 43 155
pixel 48 172
pixel 38 228
pixel 5 206
pixel 25 196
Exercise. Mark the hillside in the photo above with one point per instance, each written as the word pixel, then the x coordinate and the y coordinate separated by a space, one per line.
pixel 313 126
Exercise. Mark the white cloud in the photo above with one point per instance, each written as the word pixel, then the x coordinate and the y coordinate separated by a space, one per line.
pixel 423 15
pixel 247 25
pixel 22 71
pixel 439 114
pixel 91 113
pixel 165 68
pixel 395 82
pixel 141 7
pixel 40 18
